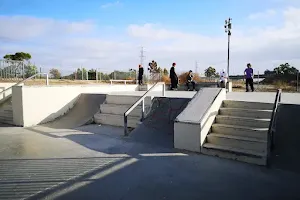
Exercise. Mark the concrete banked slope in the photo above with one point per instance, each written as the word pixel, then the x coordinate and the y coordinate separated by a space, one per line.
pixel 113 109
pixel 240 132
pixel 6 112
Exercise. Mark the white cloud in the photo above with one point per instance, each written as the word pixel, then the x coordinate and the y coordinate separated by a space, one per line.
pixel 263 15
pixel 69 45
pixel 111 4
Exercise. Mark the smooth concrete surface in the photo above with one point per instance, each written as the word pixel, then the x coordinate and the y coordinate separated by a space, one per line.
pixel 194 122
pixel 95 162
pixel 50 102
pixel 267 97
pixel 85 108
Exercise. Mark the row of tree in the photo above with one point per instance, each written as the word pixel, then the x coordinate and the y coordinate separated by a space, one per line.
pixel 283 69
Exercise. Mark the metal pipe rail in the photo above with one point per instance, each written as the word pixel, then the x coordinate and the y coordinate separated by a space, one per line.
pixel 125 81
pixel 272 125
pixel 142 99
pixel 20 82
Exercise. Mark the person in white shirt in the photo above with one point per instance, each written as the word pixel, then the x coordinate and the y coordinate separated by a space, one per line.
pixel 223 79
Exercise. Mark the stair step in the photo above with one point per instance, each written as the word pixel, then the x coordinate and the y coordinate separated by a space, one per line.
pixel 243 121
pixel 237 142
pixel 125 99
pixel 259 133
pixel 235 153
pixel 240 112
pixel 247 105
pixel 115 120
pixel 117 109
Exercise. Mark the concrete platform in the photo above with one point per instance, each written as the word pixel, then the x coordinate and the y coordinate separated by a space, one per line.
pixel 267 97
pixel 98 163
pixel 176 94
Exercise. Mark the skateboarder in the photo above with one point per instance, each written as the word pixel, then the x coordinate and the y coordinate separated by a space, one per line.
pixel 189 80
pixel 141 73
pixel 249 77
pixel 173 77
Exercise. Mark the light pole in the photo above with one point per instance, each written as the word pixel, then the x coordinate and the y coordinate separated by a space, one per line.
pixel 227 27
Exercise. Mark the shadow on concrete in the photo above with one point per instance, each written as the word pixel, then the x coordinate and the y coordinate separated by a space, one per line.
pixel 287 139
pixel 159 177
pixel 158 127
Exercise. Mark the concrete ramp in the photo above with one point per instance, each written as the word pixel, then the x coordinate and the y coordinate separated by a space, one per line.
pixel 83 111
pixel 158 127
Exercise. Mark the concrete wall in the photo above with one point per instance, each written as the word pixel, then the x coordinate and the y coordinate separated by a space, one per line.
pixel 194 122
pixel 4 86
pixel 33 105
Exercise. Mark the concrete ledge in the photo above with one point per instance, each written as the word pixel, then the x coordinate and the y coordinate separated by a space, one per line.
pixel 198 86
pixel 194 122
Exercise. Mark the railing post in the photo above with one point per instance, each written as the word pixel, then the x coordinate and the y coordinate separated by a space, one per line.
pixel 164 89
pixel 47 79
pixel 143 110
pixel 125 125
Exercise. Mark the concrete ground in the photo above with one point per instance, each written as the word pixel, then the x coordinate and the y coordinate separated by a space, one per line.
pixel 97 162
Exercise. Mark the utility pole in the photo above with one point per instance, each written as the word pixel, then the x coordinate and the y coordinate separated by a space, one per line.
pixel 142 56
pixel 196 67
pixel 227 27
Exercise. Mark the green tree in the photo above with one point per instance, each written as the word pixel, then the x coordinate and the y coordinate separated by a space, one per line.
pixel 285 69
pixel 30 70
pixel 210 72
pixel 21 56
pixel 166 72
pixel 54 73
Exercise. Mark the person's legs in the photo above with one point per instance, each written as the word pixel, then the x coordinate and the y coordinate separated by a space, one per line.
pixel 251 84
pixel 172 84
pixel 193 83
pixel 188 86
pixel 247 84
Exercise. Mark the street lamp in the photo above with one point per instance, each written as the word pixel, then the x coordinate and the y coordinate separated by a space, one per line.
pixel 227 27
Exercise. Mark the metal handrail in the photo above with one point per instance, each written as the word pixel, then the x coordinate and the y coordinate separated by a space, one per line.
pixel 20 82
pixel 142 99
pixel 272 124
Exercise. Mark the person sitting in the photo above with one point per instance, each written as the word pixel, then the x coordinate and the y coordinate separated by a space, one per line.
pixel 223 79
pixel 189 80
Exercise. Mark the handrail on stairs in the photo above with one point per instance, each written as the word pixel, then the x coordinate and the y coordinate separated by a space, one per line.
pixel 272 125
pixel 31 77
pixel 141 99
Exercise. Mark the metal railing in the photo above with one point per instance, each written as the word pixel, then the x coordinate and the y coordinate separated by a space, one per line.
pixel 141 100
pixel 125 81
pixel 272 125
pixel 20 82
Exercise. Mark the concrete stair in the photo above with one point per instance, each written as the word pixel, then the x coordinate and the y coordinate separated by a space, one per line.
pixel 112 111
pixel 6 112
pixel 240 132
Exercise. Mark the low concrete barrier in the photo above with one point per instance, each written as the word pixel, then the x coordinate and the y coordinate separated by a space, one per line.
pixel 198 86
pixel 33 105
pixel 194 122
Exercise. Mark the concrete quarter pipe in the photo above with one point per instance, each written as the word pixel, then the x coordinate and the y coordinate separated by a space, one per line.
pixel 83 111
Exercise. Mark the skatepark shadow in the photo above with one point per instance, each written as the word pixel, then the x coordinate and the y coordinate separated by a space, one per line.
pixel 287 139
pixel 155 135
pixel 165 177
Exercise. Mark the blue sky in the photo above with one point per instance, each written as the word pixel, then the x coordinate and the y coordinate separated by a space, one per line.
pixel 107 31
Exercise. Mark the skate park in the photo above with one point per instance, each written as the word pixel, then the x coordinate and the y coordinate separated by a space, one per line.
pixel 69 142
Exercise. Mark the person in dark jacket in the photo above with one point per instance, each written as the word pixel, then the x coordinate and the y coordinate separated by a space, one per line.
pixel 189 80
pixel 141 73
pixel 173 77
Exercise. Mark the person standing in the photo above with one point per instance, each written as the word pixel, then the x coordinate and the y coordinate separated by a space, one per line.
pixel 173 77
pixel 249 77
pixel 189 80
pixel 223 79
pixel 141 74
